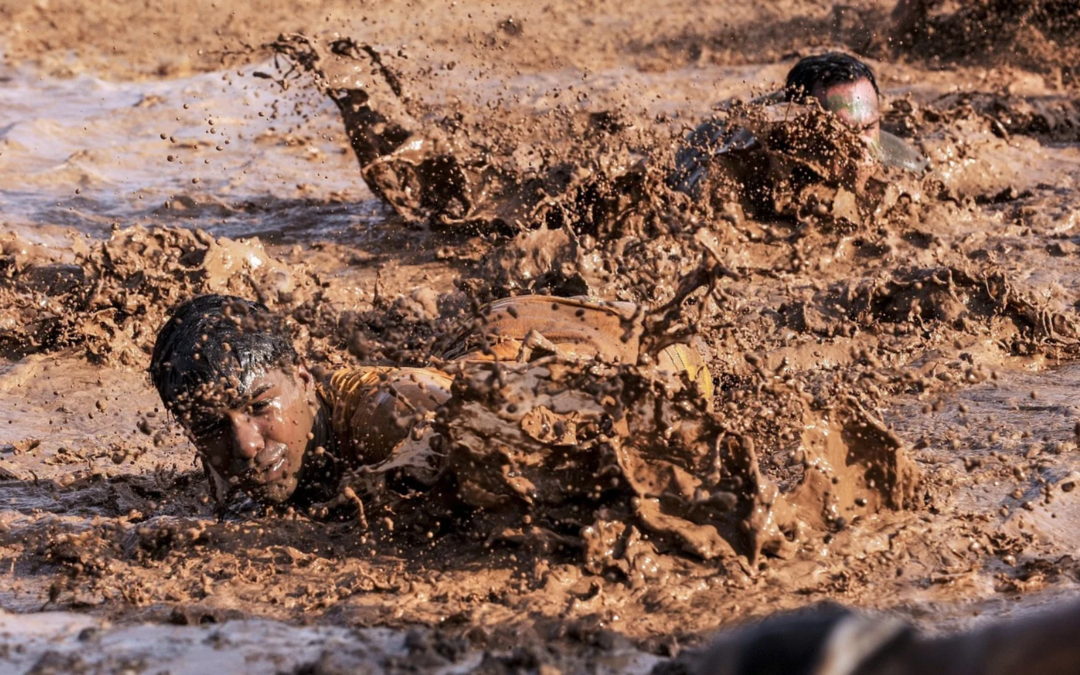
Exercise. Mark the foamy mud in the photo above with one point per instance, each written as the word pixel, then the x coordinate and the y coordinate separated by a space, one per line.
pixel 893 425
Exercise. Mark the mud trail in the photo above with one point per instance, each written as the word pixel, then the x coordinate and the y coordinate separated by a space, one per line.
pixel 893 425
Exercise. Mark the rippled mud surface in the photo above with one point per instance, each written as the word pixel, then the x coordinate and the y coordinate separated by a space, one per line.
pixel 894 428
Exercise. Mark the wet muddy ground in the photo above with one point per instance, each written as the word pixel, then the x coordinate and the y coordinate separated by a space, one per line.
pixel 937 320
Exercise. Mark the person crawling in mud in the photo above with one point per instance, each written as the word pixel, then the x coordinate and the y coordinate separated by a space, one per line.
pixel 426 174
pixel 263 425
pixel 576 424
pixel 839 84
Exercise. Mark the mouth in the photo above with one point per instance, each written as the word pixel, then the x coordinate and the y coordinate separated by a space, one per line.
pixel 270 467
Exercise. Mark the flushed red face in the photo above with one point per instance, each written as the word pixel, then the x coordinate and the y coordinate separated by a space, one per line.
pixel 257 440
pixel 856 103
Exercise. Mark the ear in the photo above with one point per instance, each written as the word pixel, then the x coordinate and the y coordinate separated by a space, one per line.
pixel 306 377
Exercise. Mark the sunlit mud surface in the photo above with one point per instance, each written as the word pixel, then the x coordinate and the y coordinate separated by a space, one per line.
pixel 895 375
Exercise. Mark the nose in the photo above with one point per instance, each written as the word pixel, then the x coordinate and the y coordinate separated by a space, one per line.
pixel 246 439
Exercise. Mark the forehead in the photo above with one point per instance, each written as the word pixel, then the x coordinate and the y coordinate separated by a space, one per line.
pixel 861 91
pixel 230 393
pixel 270 378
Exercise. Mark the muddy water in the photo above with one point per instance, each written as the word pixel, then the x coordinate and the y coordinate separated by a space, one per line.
pixel 952 321
pixel 89 153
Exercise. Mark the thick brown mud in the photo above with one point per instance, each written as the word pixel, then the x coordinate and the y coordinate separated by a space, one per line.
pixel 893 424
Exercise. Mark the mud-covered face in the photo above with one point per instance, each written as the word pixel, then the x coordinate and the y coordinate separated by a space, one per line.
pixel 257 440
pixel 856 103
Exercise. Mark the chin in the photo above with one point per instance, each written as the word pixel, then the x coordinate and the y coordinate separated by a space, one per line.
pixel 277 492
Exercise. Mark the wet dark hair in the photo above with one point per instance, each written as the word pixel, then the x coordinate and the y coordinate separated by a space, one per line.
pixel 825 70
pixel 215 339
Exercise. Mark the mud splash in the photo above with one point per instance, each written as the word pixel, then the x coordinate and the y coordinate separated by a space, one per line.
pixel 614 464
pixel 893 425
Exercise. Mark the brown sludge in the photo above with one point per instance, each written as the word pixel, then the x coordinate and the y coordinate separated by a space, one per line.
pixel 893 425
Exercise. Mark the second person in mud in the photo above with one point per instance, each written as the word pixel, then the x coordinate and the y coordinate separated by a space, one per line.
pixel 728 153
pixel 429 175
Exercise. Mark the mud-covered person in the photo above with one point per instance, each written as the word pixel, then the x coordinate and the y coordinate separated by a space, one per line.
pixel 837 83
pixel 427 177
pixel 264 426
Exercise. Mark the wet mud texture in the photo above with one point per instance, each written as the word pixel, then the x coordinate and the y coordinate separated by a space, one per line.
pixel 894 425
pixel 123 40
pixel 1037 34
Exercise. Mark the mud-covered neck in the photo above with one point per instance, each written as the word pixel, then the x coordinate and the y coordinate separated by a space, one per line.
pixel 320 471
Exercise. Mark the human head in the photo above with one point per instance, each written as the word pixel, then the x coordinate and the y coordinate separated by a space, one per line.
pixel 236 385
pixel 843 85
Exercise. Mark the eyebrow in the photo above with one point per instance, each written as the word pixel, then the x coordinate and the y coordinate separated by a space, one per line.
pixel 249 396
pixel 258 391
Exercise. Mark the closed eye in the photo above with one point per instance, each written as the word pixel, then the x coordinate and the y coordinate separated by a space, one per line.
pixel 207 427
